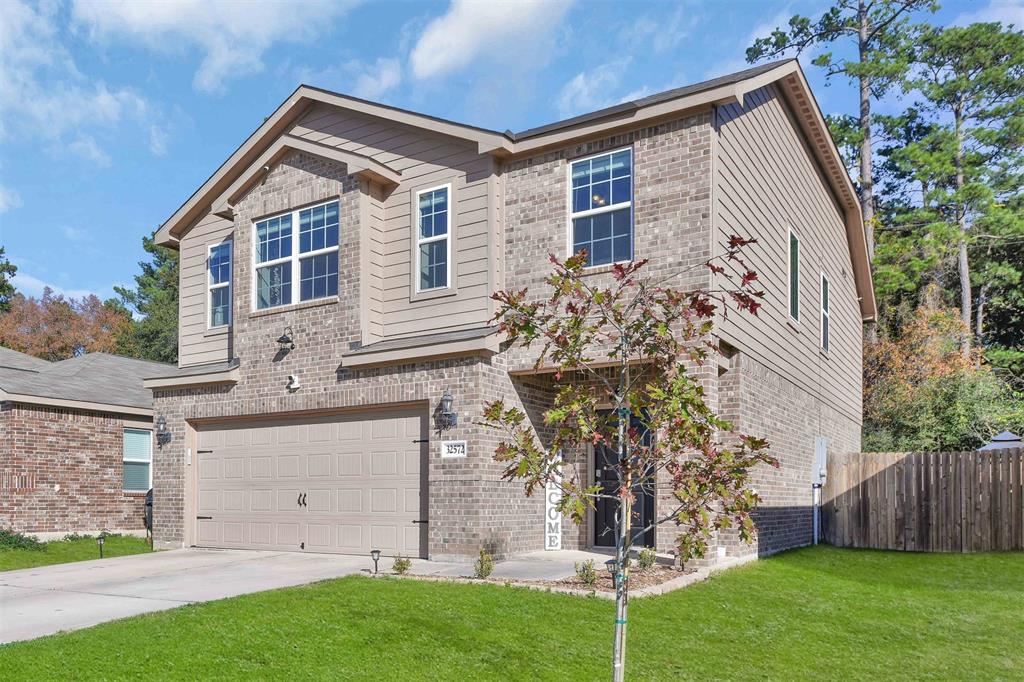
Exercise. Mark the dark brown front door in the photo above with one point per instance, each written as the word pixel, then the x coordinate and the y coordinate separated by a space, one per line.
pixel 604 515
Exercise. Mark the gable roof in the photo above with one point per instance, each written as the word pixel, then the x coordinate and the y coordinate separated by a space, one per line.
pixel 96 381
pixel 216 193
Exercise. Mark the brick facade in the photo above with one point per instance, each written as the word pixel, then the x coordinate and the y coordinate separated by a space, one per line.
pixel 61 471
pixel 469 505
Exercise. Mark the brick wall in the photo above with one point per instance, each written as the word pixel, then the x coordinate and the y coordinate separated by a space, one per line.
pixel 65 471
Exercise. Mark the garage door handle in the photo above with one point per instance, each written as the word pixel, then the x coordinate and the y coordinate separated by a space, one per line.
pixel 298 502
pixel 303 499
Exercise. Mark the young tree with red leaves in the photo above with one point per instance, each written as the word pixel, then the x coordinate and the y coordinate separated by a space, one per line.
pixel 652 335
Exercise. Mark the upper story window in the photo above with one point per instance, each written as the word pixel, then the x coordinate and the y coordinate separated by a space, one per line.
pixel 824 313
pixel 138 459
pixel 308 255
pixel 794 276
pixel 433 243
pixel 602 207
pixel 218 266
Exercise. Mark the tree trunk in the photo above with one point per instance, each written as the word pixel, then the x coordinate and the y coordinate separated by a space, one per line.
pixel 867 199
pixel 623 535
pixel 980 317
pixel 963 264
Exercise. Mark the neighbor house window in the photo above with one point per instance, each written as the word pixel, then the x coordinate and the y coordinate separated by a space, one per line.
pixel 824 313
pixel 794 276
pixel 433 246
pixel 602 207
pixel 218 261
pixel 297 256
pixel 138 460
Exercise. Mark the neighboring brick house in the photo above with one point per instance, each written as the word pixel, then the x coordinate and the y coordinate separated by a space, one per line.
pixel 76 443
pixel 335 281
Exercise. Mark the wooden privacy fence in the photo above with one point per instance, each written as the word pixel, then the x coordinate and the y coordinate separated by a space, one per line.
pixel 925 501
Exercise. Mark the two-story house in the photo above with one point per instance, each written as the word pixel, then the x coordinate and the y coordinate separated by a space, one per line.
pixel 336 274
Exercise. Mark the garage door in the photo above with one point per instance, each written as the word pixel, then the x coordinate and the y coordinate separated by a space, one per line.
pixel 344 483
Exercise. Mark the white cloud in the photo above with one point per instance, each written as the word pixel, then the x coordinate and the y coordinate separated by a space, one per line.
pixel 1004 11
pixel 594 89
pixel 232 36
pixel 157 140
pixel 471 29
pixel 33 287
pixel 45 96
pixel 8 199
pixel 378 79
pixel 74 234
pixel 659 34
pixel 86 147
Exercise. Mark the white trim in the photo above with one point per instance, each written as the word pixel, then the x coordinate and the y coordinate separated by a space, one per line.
pixel 210 287
pixel 790 233
pixel 604 209
pixel 430 240
pixel 824 332
pixel 137 461
pixel 294 259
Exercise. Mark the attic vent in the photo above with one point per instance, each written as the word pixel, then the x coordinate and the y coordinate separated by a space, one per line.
pixel 23 482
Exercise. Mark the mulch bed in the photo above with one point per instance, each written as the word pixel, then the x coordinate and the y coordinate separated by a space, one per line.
pixel 655 575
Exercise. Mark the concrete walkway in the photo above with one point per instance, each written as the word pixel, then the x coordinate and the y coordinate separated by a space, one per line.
pixel 41 601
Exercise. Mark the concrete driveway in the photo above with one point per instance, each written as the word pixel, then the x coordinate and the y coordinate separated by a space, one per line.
pixel 41 601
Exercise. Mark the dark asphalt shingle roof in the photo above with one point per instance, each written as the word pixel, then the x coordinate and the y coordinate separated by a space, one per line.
pixel 95 377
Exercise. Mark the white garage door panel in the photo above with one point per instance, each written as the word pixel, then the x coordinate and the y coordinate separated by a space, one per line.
pixel 361 479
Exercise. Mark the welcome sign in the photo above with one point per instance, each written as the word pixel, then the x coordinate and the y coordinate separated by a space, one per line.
pixel 552 517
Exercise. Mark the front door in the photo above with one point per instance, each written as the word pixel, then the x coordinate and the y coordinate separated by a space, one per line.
pixel 605 457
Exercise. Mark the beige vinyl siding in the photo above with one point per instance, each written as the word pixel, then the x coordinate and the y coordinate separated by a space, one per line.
pixel 766 182
pixel 372 247
pixel 196 345
pixel 424 161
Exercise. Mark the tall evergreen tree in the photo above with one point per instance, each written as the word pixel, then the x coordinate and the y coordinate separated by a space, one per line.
pixel 971 80
pixel 7 271
pixel 154 302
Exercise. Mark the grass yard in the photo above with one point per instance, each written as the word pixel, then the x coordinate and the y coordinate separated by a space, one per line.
pixel 64 551
pixel 818 613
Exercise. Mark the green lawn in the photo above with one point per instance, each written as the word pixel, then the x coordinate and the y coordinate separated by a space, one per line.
pixel 63 551
pixel 809 614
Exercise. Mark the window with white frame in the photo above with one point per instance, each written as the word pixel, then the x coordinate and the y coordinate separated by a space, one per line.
pixel 295 265
pixel 218 267
pixel 824 313
pixel 601 212
pixel 138 460
pixel 794 276
pixel 433 243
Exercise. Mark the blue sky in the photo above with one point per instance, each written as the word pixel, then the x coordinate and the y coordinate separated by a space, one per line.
pixel 113 113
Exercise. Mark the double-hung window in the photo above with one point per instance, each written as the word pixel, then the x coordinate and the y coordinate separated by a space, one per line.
pixel 296 256
pixel 794 276
pixel 824 313
pixel 218 267
pixel 433 238
pixel 138 460
pixel 602 207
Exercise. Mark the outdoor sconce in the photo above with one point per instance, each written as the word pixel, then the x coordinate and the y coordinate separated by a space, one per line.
pixel 99 541
pixel 449 418
pixel 375 555
pixel 285 340
pixel 163 436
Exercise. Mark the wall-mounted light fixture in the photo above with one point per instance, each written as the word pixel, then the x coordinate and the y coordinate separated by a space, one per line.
pixel 449 418
pixel 163 435
pixel 285 340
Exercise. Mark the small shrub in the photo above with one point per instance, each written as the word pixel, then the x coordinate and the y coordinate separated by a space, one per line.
pixel 9 539
pixel 401 565
pixel 484 566
pixel 646 559
pixel 586 572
